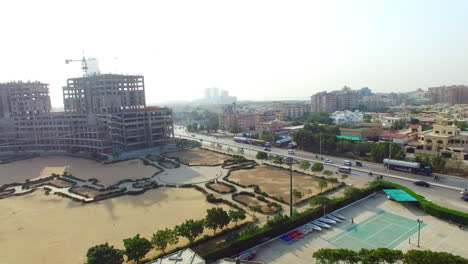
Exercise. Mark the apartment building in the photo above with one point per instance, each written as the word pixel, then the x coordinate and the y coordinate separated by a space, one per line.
pixel 102 113
pixel 455 94
pixel 334 101
pixel 271 126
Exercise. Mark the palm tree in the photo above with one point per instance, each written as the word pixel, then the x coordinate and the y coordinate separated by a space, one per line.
pixel 320 200
pixel 322 184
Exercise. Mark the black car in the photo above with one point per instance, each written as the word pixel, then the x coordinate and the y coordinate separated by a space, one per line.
pixel 358 163
pixel 421 183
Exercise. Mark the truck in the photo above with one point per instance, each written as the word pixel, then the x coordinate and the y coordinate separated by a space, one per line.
pixel 414 167
pixel 258 142
pixel 241 140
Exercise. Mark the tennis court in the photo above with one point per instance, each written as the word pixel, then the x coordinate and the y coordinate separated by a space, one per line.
pixel 383 229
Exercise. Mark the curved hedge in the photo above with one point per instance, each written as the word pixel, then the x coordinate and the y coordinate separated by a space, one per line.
pixel 268 232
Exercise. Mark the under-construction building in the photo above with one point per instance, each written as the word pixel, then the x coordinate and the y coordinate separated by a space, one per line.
pixel 102 113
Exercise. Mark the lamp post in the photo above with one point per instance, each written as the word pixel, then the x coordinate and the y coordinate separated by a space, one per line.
pixel 290 161
pixel 419 229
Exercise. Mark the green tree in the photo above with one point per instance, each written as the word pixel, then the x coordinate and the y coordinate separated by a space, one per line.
pixel 381 150
pixel 309 193
pixel 216 218
pixel 219 146
pixel 399 124
pixel 229 150
pixel 333 180
pixel 362 148
pixel 321 200
pixel 458 163
pixel 236 215
pixel 239 159
pixel 271 157
pixel 328 172
pixel 352 192
pixel 136 248
pixel 367 118
pixel 304 165
pixel 278 160
pixel 319 117
pixel 344 176
pixel 163 238
pixel 322 184
pixel 255 209
pixel 317 167
pixel 438 163
pixel 262 156
pixel 240 151
pixel 104 254
pixel 190 229
pixel 235 129
pixel 297 195
pixel 385 255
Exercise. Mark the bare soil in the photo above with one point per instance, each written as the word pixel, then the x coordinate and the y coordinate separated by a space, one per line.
pixel 44 229
pixel 220 187
pixel 250 201
pixel 198 156
pixel 275 181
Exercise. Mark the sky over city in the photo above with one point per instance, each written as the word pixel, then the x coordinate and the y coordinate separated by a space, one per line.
pixel 257 50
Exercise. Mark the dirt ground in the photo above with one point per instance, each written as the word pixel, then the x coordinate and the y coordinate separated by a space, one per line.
pixel 107 174
pixel 250 201
pixel 39 228
pixel 197 156
pixel 220 187
pixel 275 181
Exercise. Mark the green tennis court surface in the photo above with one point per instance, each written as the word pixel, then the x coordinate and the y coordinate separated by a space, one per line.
pixel 380 230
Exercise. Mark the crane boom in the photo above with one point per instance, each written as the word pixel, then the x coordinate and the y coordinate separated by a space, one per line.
pixel 84 65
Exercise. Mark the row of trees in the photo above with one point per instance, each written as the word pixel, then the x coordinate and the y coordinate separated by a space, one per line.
pixel 384 255
pixel 202 121
pixel 137 247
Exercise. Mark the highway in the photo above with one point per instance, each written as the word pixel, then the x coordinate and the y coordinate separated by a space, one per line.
pixel 447 194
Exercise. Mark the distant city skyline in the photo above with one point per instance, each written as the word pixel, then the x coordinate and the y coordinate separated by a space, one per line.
pixel 261 50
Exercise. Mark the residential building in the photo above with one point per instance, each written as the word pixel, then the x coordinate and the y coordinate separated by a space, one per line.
pixel 444 138
pixel 271 126
pixel 455 94
pixel 334 101
pixel 102 113
pixel 403 136
pixel 346 117
pixel 294 111
pixel 215 95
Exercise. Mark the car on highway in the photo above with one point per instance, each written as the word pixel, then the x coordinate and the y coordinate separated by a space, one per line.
pixel 328 161
pixel 347 163
pixel 358 163
pixel 290 152
pixel 421 183
pixel 267 149
pixel 193 135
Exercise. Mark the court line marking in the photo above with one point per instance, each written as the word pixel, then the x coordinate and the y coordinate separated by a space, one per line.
pixel 377 232
pixel 375 217
pixel 359 241
pixel 401 235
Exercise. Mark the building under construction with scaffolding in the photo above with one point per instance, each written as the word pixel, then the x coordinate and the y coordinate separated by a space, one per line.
pixel 102 113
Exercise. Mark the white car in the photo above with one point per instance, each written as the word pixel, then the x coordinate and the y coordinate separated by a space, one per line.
pixel 328 161
pixel 290 152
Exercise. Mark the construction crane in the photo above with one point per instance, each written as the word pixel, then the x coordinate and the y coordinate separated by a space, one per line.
pixel 84 65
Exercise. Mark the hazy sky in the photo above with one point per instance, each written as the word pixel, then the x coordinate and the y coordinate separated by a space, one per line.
pixel 255 49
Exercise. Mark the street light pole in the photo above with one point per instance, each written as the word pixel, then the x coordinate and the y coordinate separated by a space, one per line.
pixel 389 157
pixel 290 189
pixel 419 229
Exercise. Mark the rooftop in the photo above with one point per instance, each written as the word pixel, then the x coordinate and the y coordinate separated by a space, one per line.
pixel 184 256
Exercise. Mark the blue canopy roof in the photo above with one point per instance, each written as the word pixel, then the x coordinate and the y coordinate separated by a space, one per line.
pixel 399 195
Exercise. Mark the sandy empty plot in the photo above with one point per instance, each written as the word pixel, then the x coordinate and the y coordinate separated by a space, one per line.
pixel 220 187
pixel 40 228
pixel 251 201
pixel 107 174
pixel 275 181
pixel 197 156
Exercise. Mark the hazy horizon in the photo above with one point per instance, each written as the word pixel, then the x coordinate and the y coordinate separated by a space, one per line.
pixel 257 50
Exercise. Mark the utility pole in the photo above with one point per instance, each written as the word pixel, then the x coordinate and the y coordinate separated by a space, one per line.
pixel 320 135
pixel 290 190
pixel 389 157
pixel 419 229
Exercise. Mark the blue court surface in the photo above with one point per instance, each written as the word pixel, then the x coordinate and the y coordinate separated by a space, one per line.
pixel 380 230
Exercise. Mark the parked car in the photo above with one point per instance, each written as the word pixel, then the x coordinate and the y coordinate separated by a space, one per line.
pixel 267 149
pixel 328 161
pixel 193 135
pixel 290 152
pixel 347 163
pixel 358 163
pixel 421 183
